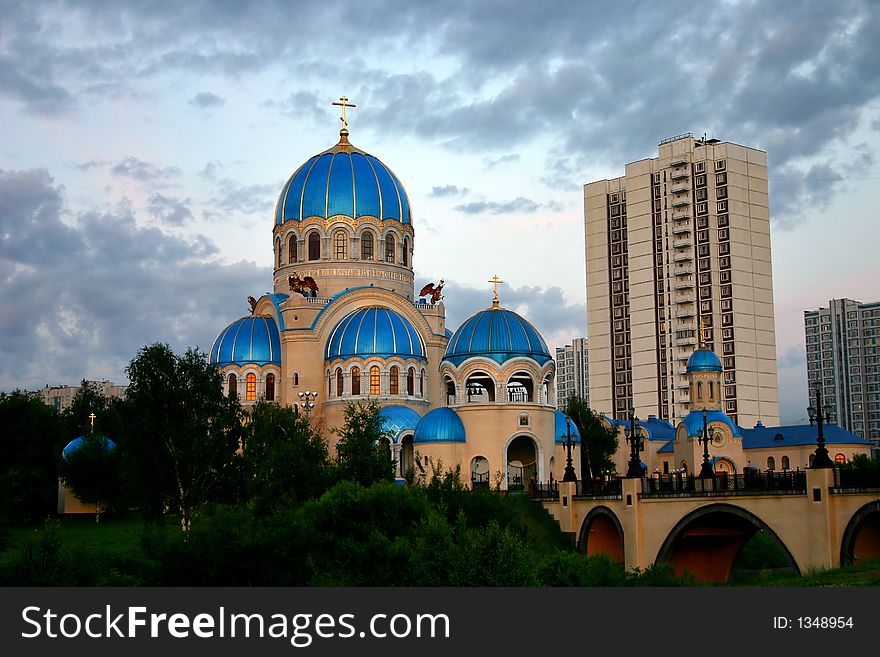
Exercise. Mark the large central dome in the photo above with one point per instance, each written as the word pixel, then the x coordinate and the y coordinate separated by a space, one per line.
pixel 343 181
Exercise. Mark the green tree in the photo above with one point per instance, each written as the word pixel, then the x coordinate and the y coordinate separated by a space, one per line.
pixel 182 432
pixel 362 456
pixel 93 472
pixel 598 442
pixel 285 459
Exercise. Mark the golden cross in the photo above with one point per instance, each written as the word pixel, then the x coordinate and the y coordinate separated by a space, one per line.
pixel 343 104
pixel 92 417
pixel 702 332
pixel 495 281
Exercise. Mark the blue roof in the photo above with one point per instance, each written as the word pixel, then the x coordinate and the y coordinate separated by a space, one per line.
pixel 442 425
pixel 343 181
pixel 798 434
pixel 374 331
pixel 498 334
pixel 76 443
pixel 562 430
pixel 396 419
pixel 249 340
pixel 668 448
pixel 694 422
pixel 657 428
pixel 704 360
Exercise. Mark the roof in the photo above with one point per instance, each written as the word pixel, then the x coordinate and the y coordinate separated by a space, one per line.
pixel 797 434
pixel 657 428
pixel 374 331
pixel 694 422
pixel 77 443
pixel 397 419
pixel 704 360
pixel 442 425
pixel 498 334
pixel 248 340
pixel 561 430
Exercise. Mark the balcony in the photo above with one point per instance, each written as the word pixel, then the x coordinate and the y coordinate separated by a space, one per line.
pixel 681 227
pixel 683 256
pixel 678 216
pixel 686 311
pixel 681 187
pixel 684 284
pixel 686 341
pixel 682 243
pixel 684 270
pixel 679 160
pixel 679 174
pixel 684 298
pixel 680 201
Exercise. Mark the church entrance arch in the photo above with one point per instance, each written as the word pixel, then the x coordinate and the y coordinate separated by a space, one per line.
pixel 406 458
pixel 521 460
pixel 479 472
pixel 707 541
pixel 861 538
pixel 602 533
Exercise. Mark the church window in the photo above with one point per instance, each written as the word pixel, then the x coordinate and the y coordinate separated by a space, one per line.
pixel 395 381
pixel 355 381
pixel 405 254
pixel 840 459
pixel 771 463
pixel 270 387
pixel 422 385
pixel 291 249
pixel 367 245
pixel 374 380
pixel 786 464
pixel 233 385
pixel 339 382
pixel 711 390
pixel 389 248
pixel 296 378
pixel 699 389
pixel 411 382
pixel 340 245
pixel 279 252
pixel 314 246
pixel 250 391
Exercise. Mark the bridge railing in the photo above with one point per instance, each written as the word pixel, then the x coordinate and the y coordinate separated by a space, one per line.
pixel 851 478
pixel 724 484
pixel 598 488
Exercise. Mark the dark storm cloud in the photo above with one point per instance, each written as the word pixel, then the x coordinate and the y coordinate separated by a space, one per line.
pixel 518 204
pixel 170 210
pixel 448 190
pixel 207 100
pixel 112 288
pixel 145 172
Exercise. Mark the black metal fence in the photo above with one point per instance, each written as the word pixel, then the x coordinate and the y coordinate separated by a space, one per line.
pixel 849 478
pixel 479 480
pixel 791 482
pixel 548 490
pixel 599 488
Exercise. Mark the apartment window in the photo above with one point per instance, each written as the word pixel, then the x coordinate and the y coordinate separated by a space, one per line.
pixel 722 206
pixel 721 192
pixel 705 278
pixel 731 406
pixel 720 165
pixel 724 262
pixel 724 248
pixel 705 292
pixel 703 250
pixel 720 178
pixel 724 234
pixel 723 219
pixel 702 208
pixel 727 348
pixel 615 198
pixel 700 167
pixel 703 236
pixel 701 182
pixel 725 276
pixel 726 305
pixel 615 210
pixel 700 194
pixel 704 263
pixel 727 319
pixel 656 178
pixel 727 334
pixel 703 222
pixel 706 306
pixel 729 362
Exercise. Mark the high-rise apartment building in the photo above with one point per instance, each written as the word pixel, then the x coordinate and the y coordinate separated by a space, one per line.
pixel 572 371
pixel 678 245
pixel 843 357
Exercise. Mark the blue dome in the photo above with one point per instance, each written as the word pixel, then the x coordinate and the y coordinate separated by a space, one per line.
pixel 343 181
pixel 442 425
pixel 374 331
pixel 77 443
pixel 249 340
pixel 562 430
pixel 704 360
pixel 397 419
pixel 498 334
pixel 693 421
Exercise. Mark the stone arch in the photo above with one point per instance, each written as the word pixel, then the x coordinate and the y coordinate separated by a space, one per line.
pixel 292 248
pixel 861 538
pixel 479 387
pixel 480 471
pixel 602 533
pixel 369 244
pixel 525 449
pixel 520 387
pixel 707 541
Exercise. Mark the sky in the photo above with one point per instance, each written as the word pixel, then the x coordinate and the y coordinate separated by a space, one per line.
pixel 143 146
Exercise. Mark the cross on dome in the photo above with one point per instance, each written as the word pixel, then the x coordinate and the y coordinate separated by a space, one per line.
pixel 343 103
pixel 495 282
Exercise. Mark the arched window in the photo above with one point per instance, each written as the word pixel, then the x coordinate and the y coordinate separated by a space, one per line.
pixel 340 245
pixel 812 456
pixel 279 252
pixel 374 380
pixel 699 389
pixel 367 245
pixel 270 387
pixel 711 390
pixel 771 463
pixel 314 246
pixel 355 381
pixel 296 378
pixel 840 458
pixel 422 384
pixel 291 249
pixel 395 381
pixel 250 389
pixel 786 464
pixel 233 385
pixel 411 382
pixel 405 255
pixel 339 382
pixel 389 248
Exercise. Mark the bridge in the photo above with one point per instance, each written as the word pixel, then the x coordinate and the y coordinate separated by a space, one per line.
pixel 820 518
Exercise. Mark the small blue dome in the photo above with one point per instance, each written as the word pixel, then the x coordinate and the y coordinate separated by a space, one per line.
pixel 249 340
pixel 77 443
pixel 397 419
pixel 704 360
pixel 343 181
pixel 374 331
pixel 442 425
pixel 498 334
pixel 693 421
pixel 562 430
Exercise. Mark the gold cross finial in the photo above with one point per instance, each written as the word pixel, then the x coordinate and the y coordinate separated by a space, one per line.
pixel 702 333
pixel 92 417
pixel 496 282
pixel 343 103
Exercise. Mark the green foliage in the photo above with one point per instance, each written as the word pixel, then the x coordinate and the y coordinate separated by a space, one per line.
pixel 760 552
pixel 598 443
pixel 862 462
pixel 561 568
pixel 659 574
pixel 93 472
pixel 362 456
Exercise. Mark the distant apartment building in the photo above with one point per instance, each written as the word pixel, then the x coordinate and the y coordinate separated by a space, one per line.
pixel 843 357
pixel 61 396
pixel 572 371
pixel 681 243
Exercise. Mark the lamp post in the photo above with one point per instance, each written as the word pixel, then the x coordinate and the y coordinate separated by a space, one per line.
pixel 634 468
pixel 820 417
pixel 706 470
pixel 307 401
pixel 569 474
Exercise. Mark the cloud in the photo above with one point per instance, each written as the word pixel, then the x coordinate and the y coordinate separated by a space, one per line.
pixel 448 190
pixel 519 204
pixel 207 100
pixel 170 210
pixel 303 103
pixel 145 172
pixel 494 162
pixel 113 287
pixel 211 169
pixel 249 199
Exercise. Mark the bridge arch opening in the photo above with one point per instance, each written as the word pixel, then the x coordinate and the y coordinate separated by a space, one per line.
pixel 707 541
pixel 602 533
pixel 861 538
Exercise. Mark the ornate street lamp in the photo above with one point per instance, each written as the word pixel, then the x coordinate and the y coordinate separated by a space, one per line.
pixel 820 416
pixel 307 401
pixel 569 474
pixel 706 470
pixel 634 468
